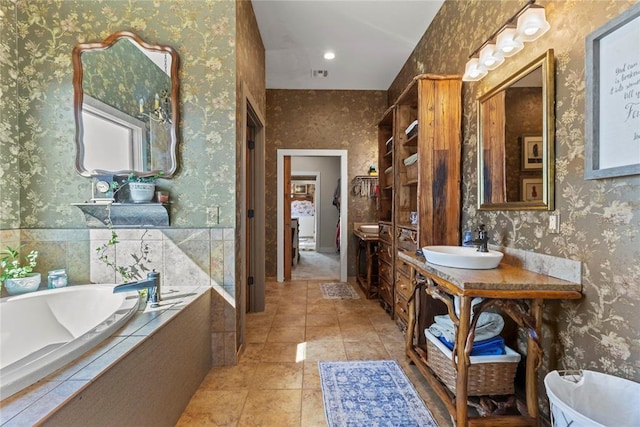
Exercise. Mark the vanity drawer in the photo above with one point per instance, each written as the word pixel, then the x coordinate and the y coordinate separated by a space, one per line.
pixel 385 253
pixel 407 239
pixel 385 272
pixel 386 294
pixel 403 267
pixel 401 307
pixel 404 286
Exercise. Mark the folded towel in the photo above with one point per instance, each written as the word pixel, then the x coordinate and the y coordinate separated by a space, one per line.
pixel 489 325
pixel 411 159
pixel 413 126
pixel 389 141
pixel 389 169
pixel 491 346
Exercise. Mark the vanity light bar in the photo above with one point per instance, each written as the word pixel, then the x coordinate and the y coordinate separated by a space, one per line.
pixel 527 25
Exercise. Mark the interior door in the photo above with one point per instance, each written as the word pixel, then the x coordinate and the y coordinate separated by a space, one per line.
pixel 286 216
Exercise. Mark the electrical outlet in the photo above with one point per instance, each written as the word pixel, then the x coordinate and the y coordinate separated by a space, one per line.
pixel 554 223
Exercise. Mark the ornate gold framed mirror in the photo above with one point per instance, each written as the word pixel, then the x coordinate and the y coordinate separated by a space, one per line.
pixel 516 148
pixel 125 106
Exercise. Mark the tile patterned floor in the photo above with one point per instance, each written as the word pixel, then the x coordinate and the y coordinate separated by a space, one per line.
pixel 276 382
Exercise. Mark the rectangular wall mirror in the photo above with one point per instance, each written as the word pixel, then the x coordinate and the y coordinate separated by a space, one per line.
pixel 516 150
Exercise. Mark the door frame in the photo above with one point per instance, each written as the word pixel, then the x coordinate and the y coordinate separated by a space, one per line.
pixel 250 110
pixel 344 241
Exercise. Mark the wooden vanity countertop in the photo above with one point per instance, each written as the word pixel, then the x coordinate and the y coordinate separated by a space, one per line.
pixel 506 281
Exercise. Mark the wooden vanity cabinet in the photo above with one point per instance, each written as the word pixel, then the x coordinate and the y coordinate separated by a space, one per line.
pixel 518 294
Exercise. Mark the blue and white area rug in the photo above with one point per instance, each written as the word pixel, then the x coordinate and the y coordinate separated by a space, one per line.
pixel 338 291
pixel 371 393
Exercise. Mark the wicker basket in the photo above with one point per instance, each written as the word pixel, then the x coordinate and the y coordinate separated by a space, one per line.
pixel 488 375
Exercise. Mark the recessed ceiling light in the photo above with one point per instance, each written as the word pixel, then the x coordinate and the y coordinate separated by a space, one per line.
pixel 329 55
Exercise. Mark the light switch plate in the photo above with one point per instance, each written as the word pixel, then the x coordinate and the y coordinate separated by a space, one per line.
pixel 554 223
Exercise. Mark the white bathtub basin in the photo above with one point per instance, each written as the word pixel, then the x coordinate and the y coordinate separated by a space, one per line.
pixel 462 257
pixel 370 228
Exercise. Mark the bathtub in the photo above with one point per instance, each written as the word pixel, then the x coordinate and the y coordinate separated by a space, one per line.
pixel 42 331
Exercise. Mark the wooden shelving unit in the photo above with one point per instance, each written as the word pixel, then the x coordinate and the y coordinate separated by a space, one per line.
pixel 430 187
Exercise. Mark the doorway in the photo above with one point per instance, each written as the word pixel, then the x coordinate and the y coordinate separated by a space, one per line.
pixel 285 193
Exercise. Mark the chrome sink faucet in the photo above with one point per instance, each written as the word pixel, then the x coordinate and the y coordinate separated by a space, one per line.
pixel 482 239
pixel 151 284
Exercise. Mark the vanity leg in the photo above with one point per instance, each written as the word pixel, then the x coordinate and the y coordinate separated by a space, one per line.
pixel 461 365
pixel 533 355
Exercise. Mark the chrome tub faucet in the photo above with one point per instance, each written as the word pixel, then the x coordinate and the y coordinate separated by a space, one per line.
pixel 151 284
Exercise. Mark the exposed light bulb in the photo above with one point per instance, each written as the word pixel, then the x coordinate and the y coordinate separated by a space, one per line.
pixel 329 55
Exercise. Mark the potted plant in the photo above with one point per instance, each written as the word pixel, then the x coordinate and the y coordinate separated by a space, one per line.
pixel 17 272
pixel 141 188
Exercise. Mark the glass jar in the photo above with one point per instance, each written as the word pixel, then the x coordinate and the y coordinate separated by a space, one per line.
pixel 57 278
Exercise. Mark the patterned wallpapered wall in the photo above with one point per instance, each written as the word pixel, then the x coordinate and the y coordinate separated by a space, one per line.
pixel 600 220
pixel 336 120
pixel 39 181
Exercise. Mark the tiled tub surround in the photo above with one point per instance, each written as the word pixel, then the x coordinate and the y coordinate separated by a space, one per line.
pixel 185 257
pixel 161 355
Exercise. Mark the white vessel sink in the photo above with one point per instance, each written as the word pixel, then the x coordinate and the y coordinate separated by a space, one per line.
pixel 462 257
pixel 370 228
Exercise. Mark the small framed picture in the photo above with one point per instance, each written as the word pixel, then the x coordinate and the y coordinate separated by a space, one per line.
pixel 299 188
pixel 532 152
pixel 531 190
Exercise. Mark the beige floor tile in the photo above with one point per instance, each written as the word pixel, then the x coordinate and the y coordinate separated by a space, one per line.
pixel 287 334
pixel 324 306
pixel 257 333
pixel 279 375
pixel 214 408
pixel 359 333
pixel 322 320
pixel 313 409
pixel 283 352
pixel 239 377
pixel 282 320
pixel 311 375
pixel 252 353
pixel 356 351
pixel 325 350
pixel 323 333
pixel 269 408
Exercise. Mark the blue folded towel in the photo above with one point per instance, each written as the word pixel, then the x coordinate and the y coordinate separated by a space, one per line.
pixel 491 346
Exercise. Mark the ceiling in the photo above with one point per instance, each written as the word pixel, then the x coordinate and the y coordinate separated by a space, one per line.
pixel 371 39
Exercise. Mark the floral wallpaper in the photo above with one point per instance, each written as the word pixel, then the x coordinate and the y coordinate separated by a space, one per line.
pixel 38 37
pixel 38 181
pixel 600 219
pixel 336 120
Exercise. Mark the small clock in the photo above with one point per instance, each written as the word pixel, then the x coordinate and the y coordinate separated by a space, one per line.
pixel 102 186
pixel 101 189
